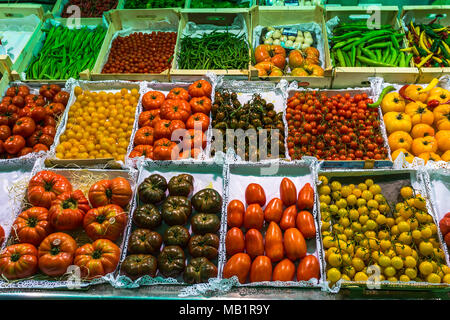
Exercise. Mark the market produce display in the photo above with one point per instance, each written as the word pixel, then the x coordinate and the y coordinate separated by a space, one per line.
pixel 89 8
pixel 257 114
pixel 274 240
pixel 141 53
pixel 214 51
pixel 171 229
pixel 60 227
pixel 430 44
pixel 334 127
pixel 353 44
pixel 219 4
pixel 99 125
pixel 152 4
pixel 172 127
pixel 418 121
pixel 28 119
pixel 66 52
pixel 287 51
pixel 361 229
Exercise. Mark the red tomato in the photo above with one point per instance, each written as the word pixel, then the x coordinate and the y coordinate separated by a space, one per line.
pixel 308 268
pixel 238 265
pixel 235 213
pixel 274 210
pixel 274 242
pixel 306 197
pixel 254 217
pixel 254 193
pixel 261 269
pixel 2 235
pixel 234 241
pixel 305 223
pixel 288 218
pixel 254 243
pixel 294 244
pixel 284 271
pixel 288 192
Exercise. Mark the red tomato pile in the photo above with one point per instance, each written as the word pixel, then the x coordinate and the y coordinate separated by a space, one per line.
pixel 39 233
pixel 340 127
pixel 89 8
pixel 444 226
pixel 28 121
pixel 163 115
pixel 141 53
pixel 271 257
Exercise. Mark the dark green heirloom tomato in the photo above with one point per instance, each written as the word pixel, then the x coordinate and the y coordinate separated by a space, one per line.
pixel 181 185
pixel 147 216
pixel 171 261
pixel 208 201
pixel 138 265
pixel 206 245
pixel 176 236
pixel 205 223
pixel 199 270
pixel 144 241
pixel 176 210
pixel 153 189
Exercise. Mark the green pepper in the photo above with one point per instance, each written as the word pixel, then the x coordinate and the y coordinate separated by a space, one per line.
pixel 144 241
pixel 380 98
pixel 176 236
pixel 153 189
pixel 171 261
pixel 206 245
pixel 147 216
pixel 207 200
pixel 202 223
pixel 199 270
pixel 373 63
pixel 176 210
pixel 181 185
pixel 138 265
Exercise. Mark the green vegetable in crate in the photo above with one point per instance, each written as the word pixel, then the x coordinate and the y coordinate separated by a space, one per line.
pixel 66 52
pixel 199 270
pixel 176 210
pixel 214 51
pixel 205 223
pixel 151 4
pixel 144 241
pixel 138 265
pixel 153 189
pixel 176 236
pixel 181 185
pixel 171 261
pixel 356 45
pixel 147 216
pixel 207 200
pixel 218 4
pixel 206 245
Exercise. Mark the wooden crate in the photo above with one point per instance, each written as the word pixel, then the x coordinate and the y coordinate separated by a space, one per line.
pixel 35 45
pixel 358 76
pixel 137 20
pixel 218 17
pixel 21 10
pixel 422 14
pixel 272 16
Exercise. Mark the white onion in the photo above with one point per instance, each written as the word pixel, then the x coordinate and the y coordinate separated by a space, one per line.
pixel 299 39
pixel 268 41
pixel 289 43
pixel 276 34
pixel 307 34
pixel 276 42
pixel 305 45
pixel 283 38
pixel 299 34
pixel 292 38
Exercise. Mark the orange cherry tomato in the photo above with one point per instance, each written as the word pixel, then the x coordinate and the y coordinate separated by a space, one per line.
pixel 261 269
pixel 308 268
pixel 284 271
pixel 294 244
pixel 274 210
pixel 305 223
pixel 254 217
pixel 238 265
pixel 288 192
pixel 254 243
pixel 234 241
pixel 306 197
pixel 274 242
pixel 254 193
pixel 288 218
pixel 235 213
